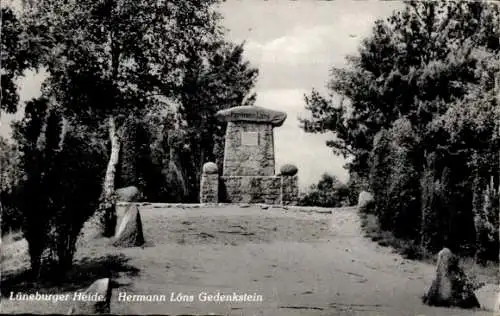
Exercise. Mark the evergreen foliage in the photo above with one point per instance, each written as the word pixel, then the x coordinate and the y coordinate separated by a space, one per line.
pixel 417 112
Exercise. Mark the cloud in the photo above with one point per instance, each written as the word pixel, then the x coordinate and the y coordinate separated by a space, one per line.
pixel 318 44
pixel 299 46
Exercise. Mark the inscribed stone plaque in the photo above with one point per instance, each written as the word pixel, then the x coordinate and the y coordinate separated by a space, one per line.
pixel 250 138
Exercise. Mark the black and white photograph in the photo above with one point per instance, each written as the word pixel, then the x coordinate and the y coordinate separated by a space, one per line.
pixel 250 157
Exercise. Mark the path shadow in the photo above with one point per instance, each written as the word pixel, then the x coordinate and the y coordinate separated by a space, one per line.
pixel 83 273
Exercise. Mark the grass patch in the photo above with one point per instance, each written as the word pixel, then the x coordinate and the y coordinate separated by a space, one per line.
pixel 406 248
pixel 479 274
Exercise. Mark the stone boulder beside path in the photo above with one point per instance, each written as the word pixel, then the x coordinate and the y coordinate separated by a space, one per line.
pixel 128 232
pixel 451 286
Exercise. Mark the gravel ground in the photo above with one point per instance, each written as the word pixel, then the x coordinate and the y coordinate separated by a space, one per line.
pixel 299 263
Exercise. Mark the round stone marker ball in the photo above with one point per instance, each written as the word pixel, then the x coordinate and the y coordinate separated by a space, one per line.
pixel 288 170
pixel 210 168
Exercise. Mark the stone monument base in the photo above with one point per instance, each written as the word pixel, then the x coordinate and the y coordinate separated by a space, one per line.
pixel 274 190
pixel 251 189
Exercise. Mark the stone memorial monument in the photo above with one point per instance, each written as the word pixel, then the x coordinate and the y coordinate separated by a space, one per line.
pixel 248 174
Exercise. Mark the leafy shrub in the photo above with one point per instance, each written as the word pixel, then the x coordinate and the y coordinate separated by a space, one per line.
pixel 486 222
pixel 429 203
pixel 61 186
pixel 10 174
pixel 395 180
pixel 329 192
pixel 380 171
pixel 402 208
pixel 433 204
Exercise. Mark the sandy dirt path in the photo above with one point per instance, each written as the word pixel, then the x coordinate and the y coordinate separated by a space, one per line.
pixel 301 264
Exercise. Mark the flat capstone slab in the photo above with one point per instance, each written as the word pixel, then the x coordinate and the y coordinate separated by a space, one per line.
pixel 253 114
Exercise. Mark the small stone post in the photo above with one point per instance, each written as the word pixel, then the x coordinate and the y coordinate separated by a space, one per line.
pixel 289 185
pixel 209 187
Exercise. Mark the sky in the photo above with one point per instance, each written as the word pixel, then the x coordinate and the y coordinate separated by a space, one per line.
pixel 293 44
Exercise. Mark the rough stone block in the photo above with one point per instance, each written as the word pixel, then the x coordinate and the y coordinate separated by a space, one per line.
pixel 365 199
pixel 450 287
pixel 489 297
pixel 129 232
pixel 127 194
pixel 252 114
pixel 246 157
pixel 289 190
pixel 244 189
pixel 95 300
pixel 209 188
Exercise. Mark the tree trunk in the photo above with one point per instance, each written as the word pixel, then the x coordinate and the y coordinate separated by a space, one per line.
pixel 109 180
pixel 107 203
pixel 128 174
pixel 102 222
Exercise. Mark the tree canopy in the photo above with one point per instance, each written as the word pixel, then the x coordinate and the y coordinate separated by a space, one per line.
pixel 112 65
pixel 416 64
pixel 15 58
pixel 417 111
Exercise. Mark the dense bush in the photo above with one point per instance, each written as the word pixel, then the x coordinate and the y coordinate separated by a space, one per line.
pixel 60 187
pixel 442 203
pixel 485 212
pixel 328 192
pixel 380 171
pixel 421 125
pixel 9 177
pixel 430 189
pixel 75 192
